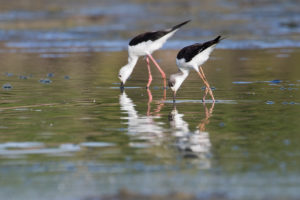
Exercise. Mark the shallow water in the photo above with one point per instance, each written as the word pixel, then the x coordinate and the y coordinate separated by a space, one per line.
pixel 68 132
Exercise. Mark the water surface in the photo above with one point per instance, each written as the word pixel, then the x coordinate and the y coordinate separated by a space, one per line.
pixel 68 132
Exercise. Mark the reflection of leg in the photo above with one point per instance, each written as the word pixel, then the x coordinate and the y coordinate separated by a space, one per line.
pixel 205 94
pixel 212 108
pixel 149 72
pixel 208 114
pixel 162 102
pixel 207 84
pixel 149 102
pixel 160 70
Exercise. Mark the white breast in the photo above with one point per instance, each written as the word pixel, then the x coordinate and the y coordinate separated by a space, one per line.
pixel 182 64
pixel 202 57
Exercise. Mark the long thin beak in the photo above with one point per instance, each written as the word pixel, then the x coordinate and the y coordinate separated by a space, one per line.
pixel 122 86
pixel 174 96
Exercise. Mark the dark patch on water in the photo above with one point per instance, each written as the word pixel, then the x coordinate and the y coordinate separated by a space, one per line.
pixel 9 74
pixel 270 102
pixel 50 75
pixel 126 87
pixel 212 88
pixel 23 77
pixel 7 86
pixel 45 81
pixel 221 124
pixel 275 81
pixel 291 103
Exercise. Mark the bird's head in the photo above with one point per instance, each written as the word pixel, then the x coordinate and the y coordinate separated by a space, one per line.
pixel 126 70
pixel 124 74
pixel 171 83
pixel 176 80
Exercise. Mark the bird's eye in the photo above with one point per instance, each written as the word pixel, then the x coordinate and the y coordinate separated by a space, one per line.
pixel 120 76
pixel 171 84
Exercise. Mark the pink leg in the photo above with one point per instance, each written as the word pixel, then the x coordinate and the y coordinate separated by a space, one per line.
pixel 149 72
pixel 205 94
pixel 207 87
pixel 206 83
pixel 160 70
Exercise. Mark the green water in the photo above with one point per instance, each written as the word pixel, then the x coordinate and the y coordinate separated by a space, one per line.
pixel 80 136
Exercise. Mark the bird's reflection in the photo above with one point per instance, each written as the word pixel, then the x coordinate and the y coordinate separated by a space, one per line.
pixel 142 128
pixel 192 143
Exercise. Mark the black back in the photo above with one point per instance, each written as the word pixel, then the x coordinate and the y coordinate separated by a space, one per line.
pixel 155 35
pixel 189 52
pixel 144 37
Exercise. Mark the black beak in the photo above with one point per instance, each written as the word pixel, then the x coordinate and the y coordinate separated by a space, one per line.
pixel 122 86
pixel 174 97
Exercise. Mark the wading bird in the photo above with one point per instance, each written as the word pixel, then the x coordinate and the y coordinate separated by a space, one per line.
pixel 144 45
pixel 192 57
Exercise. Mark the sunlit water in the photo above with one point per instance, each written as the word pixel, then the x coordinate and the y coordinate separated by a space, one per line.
pixel 68 132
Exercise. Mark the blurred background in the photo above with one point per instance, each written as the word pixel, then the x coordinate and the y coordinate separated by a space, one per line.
pixel 42 25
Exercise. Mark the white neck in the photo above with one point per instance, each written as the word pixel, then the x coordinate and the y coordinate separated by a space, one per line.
pixel 126 70
pixel 132 60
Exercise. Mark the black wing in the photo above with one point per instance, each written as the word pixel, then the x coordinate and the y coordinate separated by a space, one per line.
pixel 147 36
pixel 144 37
pixel 189 52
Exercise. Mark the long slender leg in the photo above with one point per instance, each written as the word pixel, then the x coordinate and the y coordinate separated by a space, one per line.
pixel 149 72
pixel 207 84
pixel 160 70
pixel 201 70
pixel 205 94
pixel 206 88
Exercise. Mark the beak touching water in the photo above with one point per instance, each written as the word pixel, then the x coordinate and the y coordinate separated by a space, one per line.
pixel 122 86
pixel 174 96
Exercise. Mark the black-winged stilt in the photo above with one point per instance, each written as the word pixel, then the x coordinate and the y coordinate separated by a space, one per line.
pixel 191 57
pixel 144 45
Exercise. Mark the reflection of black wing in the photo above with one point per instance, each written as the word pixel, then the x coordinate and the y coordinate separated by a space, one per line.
pixel 189 52
pixel 155 35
